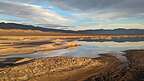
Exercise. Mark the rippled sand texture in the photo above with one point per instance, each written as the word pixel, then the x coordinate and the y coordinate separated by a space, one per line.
pixel 104 68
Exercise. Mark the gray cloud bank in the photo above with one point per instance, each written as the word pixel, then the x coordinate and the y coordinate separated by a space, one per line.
pixel 81 9
pixel 103 8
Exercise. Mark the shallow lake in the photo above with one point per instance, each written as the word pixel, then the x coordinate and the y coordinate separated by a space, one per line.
pixel 87 49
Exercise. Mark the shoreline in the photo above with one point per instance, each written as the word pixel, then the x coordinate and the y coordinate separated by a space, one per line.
pixel 29 46
pixel 107 67
pixel 104 68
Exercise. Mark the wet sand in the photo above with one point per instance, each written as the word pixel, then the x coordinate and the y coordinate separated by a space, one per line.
pixel 132 70
pixel 31 45
pixel 104 68
pixel 53 69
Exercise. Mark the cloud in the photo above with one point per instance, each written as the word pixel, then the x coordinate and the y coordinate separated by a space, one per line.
pixel 34 13
pixel 103 9
pixel 85 5
pixel 78 13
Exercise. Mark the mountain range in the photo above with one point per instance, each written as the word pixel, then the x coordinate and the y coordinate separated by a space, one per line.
pixel 97 31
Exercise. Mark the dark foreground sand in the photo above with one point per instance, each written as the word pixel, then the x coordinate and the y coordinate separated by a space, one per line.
pixel 104 68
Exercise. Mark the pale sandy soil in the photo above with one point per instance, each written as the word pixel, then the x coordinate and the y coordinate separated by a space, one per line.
pixel 52 69
pixel 28 45
pixel 104 68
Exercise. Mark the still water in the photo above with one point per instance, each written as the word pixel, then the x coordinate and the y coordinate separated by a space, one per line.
pixel 88 49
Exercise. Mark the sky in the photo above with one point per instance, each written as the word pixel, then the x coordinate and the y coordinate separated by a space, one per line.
pixel 74 14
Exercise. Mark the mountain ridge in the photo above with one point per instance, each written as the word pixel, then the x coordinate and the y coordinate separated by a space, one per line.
pixel 97 31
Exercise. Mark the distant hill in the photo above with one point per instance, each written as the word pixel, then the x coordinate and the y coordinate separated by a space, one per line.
pixel 29 27
pixel 99 31
pixel 115 31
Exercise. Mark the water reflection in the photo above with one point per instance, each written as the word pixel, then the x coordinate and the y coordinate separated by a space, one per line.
pixel 136 39
pixel 87 49
pixel 92 49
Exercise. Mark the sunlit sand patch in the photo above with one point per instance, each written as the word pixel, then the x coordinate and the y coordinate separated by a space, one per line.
pixel 21 46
